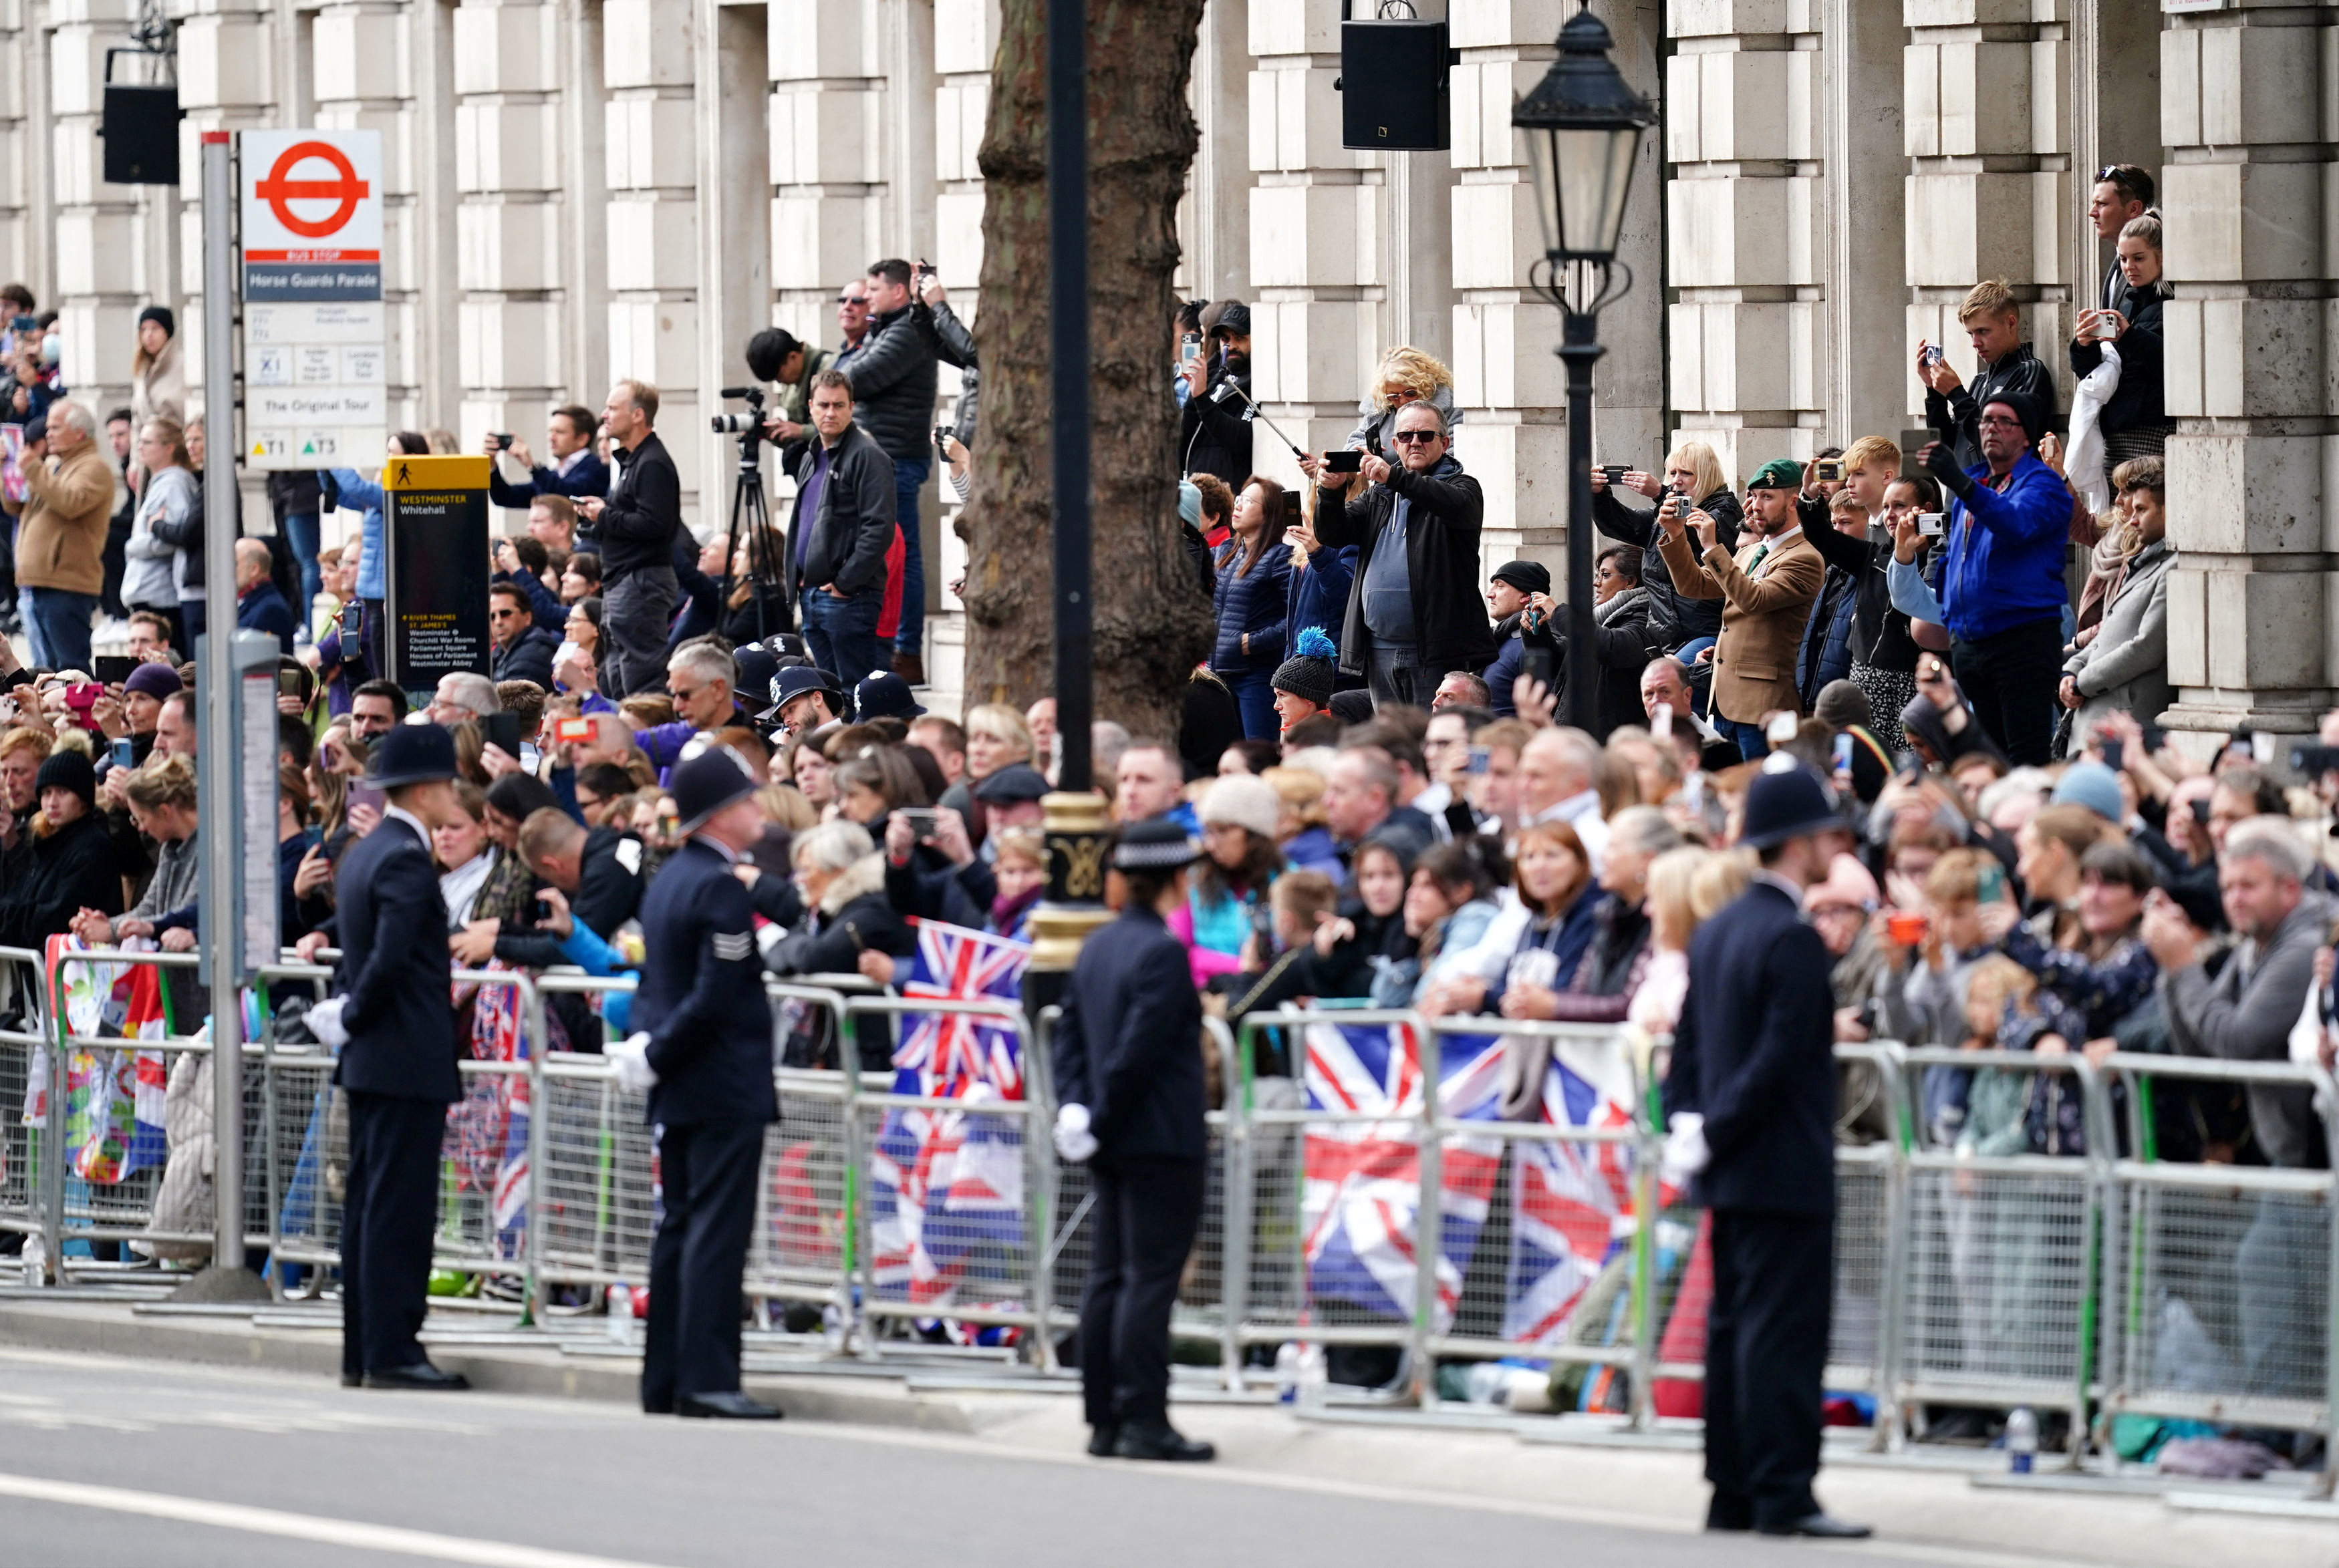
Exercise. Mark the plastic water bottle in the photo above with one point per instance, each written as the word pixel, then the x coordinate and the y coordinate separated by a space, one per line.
pixel 2021 1440
pixel 1312 1377
pixel 621 1313
pixel 1286 1372
pixel 1487 1382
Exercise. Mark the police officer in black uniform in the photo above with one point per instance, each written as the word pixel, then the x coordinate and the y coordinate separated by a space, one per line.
pixel 703 1049
pixel 1751 1097
pixel 392 1019
pixel 1128 1074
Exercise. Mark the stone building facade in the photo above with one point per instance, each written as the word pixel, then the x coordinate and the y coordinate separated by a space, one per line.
pixel 587 189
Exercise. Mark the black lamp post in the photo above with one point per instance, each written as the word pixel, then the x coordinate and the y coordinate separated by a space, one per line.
pixel 1584 123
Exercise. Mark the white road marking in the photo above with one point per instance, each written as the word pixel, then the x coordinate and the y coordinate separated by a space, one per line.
pixel 344 1533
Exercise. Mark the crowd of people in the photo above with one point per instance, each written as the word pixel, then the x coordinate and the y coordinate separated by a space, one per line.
pixel 1378 803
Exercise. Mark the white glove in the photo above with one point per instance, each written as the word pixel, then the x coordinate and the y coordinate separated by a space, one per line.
pixel 1074 1141
pixel 631 1057
pixel 1685 1153
pixel 325 1022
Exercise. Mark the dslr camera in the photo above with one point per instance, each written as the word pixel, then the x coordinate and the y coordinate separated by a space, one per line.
pixel 749 424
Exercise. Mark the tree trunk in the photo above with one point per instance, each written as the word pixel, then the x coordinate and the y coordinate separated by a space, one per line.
pixel 1151 623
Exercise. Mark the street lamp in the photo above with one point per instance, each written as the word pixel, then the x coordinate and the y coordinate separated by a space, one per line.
pixel 1583 124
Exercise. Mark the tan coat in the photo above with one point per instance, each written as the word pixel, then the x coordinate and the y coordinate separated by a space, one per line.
pixel 61 541
pixel 1761 621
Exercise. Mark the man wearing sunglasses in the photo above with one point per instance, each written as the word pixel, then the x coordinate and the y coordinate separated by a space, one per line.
pixel 1413 612
pixel 2002 589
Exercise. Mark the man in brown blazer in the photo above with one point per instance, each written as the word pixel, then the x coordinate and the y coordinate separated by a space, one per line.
pixel 61 538
pixel 1766 591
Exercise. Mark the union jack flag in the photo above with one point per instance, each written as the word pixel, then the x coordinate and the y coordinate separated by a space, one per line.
pixel 1361 1180
pixel 1574 1210
pixel 947 1185
pixel 943 1053
pixel 1569 1204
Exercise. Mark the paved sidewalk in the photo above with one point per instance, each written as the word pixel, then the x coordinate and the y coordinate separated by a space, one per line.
pixel 1950 1508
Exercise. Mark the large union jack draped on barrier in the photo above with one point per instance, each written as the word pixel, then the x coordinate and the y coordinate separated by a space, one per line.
pixel 1360 1199
pixel 946 1187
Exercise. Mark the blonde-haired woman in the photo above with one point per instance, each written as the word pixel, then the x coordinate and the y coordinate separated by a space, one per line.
pixel 1404 375
pixel 1693 470
pixel 996 736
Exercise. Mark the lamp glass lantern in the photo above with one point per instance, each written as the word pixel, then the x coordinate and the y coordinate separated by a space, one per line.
pixel 1583 124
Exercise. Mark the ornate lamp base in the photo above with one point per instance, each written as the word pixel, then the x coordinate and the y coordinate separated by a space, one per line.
pixel 1078 829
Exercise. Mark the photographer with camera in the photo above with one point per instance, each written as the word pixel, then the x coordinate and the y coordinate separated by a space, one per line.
pixel 638 523
pixel 842 527
pixel 776 355
pixel 893 379
pixel 574 471
pixel 1215 434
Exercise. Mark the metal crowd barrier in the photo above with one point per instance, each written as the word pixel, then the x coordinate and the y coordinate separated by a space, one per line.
pixel 2104 1283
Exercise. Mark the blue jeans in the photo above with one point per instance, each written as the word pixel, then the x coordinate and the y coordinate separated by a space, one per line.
pixel 1753 745
pixel 843 635
pixel 300 531
pixel 1255 700
pixel 56 623
pixel 909 478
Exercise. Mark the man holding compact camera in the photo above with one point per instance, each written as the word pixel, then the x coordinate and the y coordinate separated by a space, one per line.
pixel 637 523
pixel 573 470
pixel 1992 319
pixel 1413 611
pixel 2002 589
pixel 1766 588
pixel 893 379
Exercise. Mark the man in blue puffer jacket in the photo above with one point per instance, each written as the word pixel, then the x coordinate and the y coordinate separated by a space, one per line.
pixel 2002 589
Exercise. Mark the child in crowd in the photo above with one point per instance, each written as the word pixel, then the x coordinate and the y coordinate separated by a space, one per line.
pixel 1922 988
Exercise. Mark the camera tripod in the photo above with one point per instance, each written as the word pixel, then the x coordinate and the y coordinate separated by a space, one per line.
pixel 749 509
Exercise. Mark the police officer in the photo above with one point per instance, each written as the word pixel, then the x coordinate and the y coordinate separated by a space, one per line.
pixel 1128 1071
pixel 392 1021
pixel 702 1049
pixel 1751 1095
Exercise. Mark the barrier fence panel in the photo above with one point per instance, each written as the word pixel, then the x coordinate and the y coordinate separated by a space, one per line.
pixel 2220 1277
pixel 121 1053
pixel 954 1189
pixel 1540 1217
pixel 1870 1232
pixel 592 1208
pixel 23 1064
pixel 1999 1303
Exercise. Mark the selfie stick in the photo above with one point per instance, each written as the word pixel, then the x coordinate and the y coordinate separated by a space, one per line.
pixel 1263 419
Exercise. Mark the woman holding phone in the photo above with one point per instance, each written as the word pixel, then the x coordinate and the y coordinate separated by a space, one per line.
pixel 1250 599
pixel 1693 481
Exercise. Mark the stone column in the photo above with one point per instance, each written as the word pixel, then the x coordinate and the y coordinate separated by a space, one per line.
pixel 16 145
pixel 583 219
pixel 98 233
pixel 1316 238
pixel 652 232
pixel 966 35
pixel 1989 191
pixel 2247 115
pixel 1505 333
pixel 734 185
pixel 228 65
pixel 828 100
pixel 1214 222
pixel 363 77
pixel 509 174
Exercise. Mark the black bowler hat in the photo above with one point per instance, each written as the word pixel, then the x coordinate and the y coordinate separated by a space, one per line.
pixel 796 680
pixel 411 754
pixel 1012 785
pixel 883 694
pixel 1786 802
pixel 707 779
pixel 1154 843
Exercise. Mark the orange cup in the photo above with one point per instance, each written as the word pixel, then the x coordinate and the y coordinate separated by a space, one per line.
pixel 1905 927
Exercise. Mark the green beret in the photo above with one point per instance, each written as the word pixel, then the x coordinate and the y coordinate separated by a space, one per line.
pixel 1778 474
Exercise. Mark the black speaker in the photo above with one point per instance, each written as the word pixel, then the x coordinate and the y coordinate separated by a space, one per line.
pixel 1393 86
pixel 142 134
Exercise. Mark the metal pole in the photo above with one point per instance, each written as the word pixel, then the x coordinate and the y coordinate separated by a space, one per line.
pixel 1068 302
pixel 1580 353
pixel 220 688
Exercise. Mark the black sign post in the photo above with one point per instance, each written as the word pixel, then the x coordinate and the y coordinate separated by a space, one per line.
pixel 435 534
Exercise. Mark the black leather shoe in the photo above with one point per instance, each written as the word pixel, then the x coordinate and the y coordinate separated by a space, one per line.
pixel 1101 1439
pixel 1819 1525
pixel 353 1379
pixel 421 1375
pixel 731 1406
pixel 1159 1440
pixel 1728 1517
pixel 658 1406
